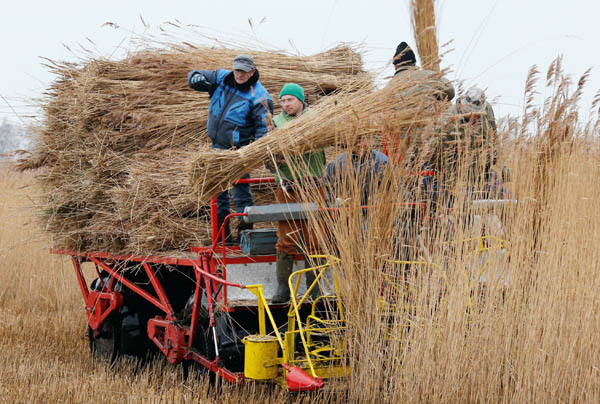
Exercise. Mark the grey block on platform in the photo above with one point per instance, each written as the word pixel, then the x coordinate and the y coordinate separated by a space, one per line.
pixel 279 211
pixel 258 242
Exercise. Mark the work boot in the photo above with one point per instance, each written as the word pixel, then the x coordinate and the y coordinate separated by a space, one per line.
pixel 284 267
pixel 227 230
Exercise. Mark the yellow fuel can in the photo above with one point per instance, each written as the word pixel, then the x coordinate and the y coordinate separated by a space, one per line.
pixel 260 358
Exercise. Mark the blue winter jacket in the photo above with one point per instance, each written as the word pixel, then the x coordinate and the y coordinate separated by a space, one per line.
pixel 237 113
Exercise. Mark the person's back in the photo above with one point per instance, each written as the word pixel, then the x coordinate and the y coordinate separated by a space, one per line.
pixel 417 82
pixel 422 81
pixel 365 167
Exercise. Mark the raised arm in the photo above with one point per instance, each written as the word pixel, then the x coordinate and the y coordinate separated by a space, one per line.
pixel 203 80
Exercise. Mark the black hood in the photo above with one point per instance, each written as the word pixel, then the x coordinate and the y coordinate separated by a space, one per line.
pixel 230 81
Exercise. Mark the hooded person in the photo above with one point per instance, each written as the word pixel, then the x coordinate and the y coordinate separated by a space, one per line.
pixel 239 111
pixel 468 143
pixel 291 174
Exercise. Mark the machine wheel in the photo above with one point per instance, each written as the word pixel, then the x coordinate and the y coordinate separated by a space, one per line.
pixel 105 345
pixel 203 342
pixel 121 334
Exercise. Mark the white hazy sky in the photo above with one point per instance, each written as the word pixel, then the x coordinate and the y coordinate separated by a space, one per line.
pixel 494 42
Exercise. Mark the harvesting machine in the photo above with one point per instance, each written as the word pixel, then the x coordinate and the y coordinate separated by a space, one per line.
pixel 211 307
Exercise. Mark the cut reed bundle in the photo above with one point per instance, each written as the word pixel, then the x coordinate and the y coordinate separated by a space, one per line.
pixel 341 119
pixel 425 33
pixel 117 134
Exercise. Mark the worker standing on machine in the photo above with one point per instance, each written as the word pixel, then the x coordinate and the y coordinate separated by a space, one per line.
pixel 420 83
pixel 467 147
pixel 239 112
pixel 292 174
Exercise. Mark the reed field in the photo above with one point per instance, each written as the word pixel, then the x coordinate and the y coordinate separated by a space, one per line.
pixel 446 300
pixel 526 333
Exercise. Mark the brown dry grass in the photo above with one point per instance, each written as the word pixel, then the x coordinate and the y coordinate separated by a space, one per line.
pixel 533 339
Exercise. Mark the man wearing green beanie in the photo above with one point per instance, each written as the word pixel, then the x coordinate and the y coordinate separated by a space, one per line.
pixel 291 175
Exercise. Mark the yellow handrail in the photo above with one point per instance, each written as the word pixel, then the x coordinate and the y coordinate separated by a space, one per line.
pixel 294 308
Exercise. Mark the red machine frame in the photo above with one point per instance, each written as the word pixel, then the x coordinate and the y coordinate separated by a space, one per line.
pixel 174 340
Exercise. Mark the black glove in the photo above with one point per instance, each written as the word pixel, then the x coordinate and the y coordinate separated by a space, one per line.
pixel 198 78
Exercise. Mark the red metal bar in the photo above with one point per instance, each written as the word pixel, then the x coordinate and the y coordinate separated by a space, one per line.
pixel 259 180
pixel 213 220
pixel 175 261
pixel 160 292
pixel 100 305
pixel 217 279
pixel 214 367
pixel 80 279
pixel 169 338
pixel 131 285
pixel 197 303
pixel 209 301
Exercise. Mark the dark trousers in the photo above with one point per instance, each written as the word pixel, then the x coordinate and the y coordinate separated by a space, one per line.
pixel 242 197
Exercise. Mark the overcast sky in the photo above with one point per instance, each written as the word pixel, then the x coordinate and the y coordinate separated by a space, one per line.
pixel 494 42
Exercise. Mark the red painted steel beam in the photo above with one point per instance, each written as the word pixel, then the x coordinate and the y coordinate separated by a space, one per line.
pixel 135 258
pixel 131 285
pixel 80 279
pixel 158 288
pixel 232 377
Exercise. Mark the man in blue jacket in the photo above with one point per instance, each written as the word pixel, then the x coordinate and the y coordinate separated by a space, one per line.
pixel 239 111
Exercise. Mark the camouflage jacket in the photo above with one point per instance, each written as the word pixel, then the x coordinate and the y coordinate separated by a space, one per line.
pixel 441 88
pixel 465 146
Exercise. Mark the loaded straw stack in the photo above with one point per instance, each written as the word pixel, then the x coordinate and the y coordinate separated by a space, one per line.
pixel 117 137
pixel 343 119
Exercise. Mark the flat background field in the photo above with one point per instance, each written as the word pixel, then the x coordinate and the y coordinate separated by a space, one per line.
pixel 533 338
pixel 536 341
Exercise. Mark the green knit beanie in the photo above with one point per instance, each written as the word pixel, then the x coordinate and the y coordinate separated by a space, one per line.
pixel 292 89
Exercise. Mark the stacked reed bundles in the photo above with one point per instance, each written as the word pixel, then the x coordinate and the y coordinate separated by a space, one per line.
pixel 424 31
pixel 345 118
pixel 117 135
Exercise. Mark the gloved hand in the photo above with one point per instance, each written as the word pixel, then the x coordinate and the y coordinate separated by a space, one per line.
pixel 273 162
pixel 198 78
